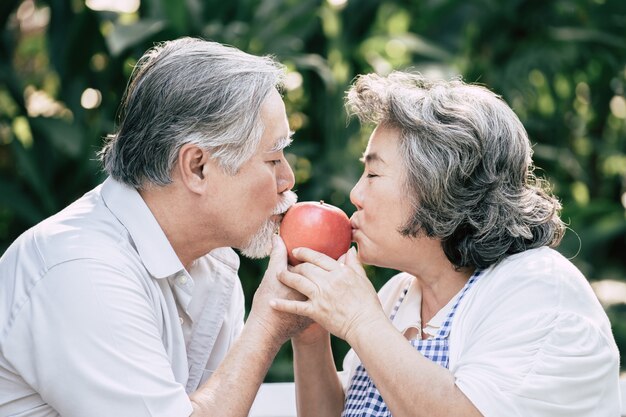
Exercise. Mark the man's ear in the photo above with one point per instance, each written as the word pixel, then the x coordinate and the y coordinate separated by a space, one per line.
pixel 193 166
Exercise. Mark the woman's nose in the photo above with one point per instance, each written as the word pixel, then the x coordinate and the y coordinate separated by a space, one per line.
pixel 355 195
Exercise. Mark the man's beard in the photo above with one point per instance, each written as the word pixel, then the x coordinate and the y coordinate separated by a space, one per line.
pixel 260 245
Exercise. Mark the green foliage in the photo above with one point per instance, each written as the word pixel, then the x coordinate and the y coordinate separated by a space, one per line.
pixel 560 64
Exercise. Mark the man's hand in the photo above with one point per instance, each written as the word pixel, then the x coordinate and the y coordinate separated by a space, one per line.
pixel 338 294
pixel 280 326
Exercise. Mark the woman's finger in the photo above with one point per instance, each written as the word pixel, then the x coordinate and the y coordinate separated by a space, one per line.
pixel 352 260
pixel 301 308
pixel 342 259
pixel 310 271
pixel 316 258
pixel 298 282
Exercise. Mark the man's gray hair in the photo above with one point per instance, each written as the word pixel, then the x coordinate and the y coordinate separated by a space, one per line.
pixel 468 166
pixel 189 91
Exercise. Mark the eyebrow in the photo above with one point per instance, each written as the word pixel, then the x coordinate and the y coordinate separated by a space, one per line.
pixel 372 157
pixel 281 143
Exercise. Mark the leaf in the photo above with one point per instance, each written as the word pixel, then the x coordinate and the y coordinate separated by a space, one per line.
pixel 574 35
pixel 6 8
pixel 123 37
pixel 15 199
pixel 176 14
pixel 319 65
pixel 28 171
pixel 419 45
pixel 65 137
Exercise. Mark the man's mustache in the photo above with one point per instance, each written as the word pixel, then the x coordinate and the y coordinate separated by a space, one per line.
pixel 288 199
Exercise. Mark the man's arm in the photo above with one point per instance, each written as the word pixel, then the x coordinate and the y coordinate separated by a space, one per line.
pixel 231 390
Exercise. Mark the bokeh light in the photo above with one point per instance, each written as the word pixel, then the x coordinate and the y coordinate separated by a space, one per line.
pixel 91 98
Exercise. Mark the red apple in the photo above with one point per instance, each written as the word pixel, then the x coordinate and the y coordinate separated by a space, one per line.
pixel 318 226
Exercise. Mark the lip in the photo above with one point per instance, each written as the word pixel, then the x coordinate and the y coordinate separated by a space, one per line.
pixel 355 228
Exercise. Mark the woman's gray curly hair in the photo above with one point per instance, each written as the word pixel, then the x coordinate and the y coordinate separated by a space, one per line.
pixel 469 172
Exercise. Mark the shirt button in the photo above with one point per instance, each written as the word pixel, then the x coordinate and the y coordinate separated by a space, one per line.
pixel 181 320
pixel 182 279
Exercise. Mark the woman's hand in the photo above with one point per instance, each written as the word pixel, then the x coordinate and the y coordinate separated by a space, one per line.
pixel 340 296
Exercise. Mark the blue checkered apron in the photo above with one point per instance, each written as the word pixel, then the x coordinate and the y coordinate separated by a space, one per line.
pixel 364 400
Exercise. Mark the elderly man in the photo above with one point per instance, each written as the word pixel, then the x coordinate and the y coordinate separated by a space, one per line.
pixel 127 302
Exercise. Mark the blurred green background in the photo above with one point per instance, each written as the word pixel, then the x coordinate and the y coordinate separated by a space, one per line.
pixel 561 65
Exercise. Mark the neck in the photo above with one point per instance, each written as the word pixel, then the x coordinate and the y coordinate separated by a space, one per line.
pixel 181 229
pixel 438 292
pixel 439 280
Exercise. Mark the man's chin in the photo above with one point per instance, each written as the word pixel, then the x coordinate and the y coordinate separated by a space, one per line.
pixel 256 253
pixel 260 246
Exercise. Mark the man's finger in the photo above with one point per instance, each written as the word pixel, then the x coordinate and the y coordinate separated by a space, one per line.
pixel 278 256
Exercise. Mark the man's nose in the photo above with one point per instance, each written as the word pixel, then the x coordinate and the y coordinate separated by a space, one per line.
pixel 286 179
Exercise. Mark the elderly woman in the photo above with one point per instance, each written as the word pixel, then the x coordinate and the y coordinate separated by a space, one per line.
pixel 485 318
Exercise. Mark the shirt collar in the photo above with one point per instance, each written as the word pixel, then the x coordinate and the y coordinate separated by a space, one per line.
pixel 409 313
pixel 437 320
pixel 153 247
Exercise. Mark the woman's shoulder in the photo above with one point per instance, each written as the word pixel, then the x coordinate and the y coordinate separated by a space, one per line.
pixel 539 260
pixel 537 283
pixel 534 319
pixel 535 269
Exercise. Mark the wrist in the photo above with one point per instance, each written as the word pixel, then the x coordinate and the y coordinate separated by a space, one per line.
pixel 304 341
pixel 262 334
pixel 360 333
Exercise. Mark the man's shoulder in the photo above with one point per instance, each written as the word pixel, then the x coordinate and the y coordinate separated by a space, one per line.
pixel 84 229
pixel 82 240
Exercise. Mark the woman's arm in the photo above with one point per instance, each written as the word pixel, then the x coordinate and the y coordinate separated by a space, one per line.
pixel 342 300
pixel 410 384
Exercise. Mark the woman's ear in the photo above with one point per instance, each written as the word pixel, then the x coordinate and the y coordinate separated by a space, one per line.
pixel 193 167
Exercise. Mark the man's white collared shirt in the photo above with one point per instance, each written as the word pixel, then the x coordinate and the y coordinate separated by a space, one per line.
pixel 98 317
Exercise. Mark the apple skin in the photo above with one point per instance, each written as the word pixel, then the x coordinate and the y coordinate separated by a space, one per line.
pixel 318 226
